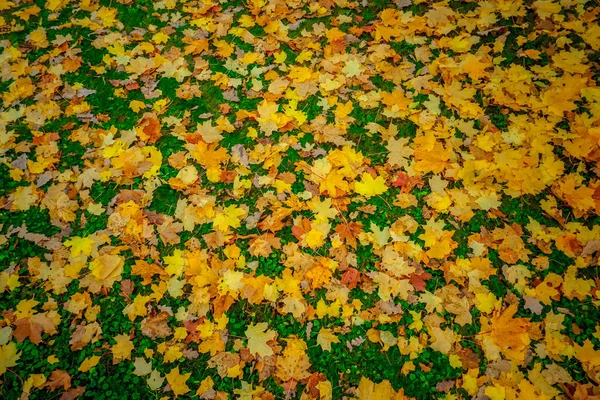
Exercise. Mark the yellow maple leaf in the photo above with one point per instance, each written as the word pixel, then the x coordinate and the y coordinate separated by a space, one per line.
pixel 368 390
pixel 496 392
pixel 352 67
pixel 546 8
pixel 155 381
pixel 258 335
pixel 160 37
pixel 587 353
pixel 38 38
pixel 137 105
pixel 231 283
pixel 176 69
pixel 175 264
pixel 314 238
pixel 178 381
pixel 580 198
pixel 529 391
pixel 25 308
pixel 325 390
pixel 206 385
pixel 444 339
pixel 576 287
pixel 325 338
pixel 89 363
pixel 370 187
pixel 293 305
pixel 172 354
pixel 8 356
pixel 185 177
pixel 230 217
pixel 248 391
pixel 52 359
pixel 510 334
pixel 23 198
pixel 122 348
pixel 80 245
pixel 294 362
pixel 107 268
pixel 209 133
pixel 54 5
pixel 142 367
pixel 246 21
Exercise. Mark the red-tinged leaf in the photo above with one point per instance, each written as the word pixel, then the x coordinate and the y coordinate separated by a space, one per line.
pixel 401 180
pixel 349 232
pixel 59 379
pixel 73 393
pixel 419 281
pixel 351 277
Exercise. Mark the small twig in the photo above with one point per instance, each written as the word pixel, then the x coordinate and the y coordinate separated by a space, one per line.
pixel 385 201
pixel 17 375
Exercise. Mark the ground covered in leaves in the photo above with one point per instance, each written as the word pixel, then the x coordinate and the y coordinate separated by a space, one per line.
pixel 298 199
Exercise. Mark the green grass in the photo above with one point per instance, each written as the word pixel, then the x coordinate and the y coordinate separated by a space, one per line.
pixel 345 365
